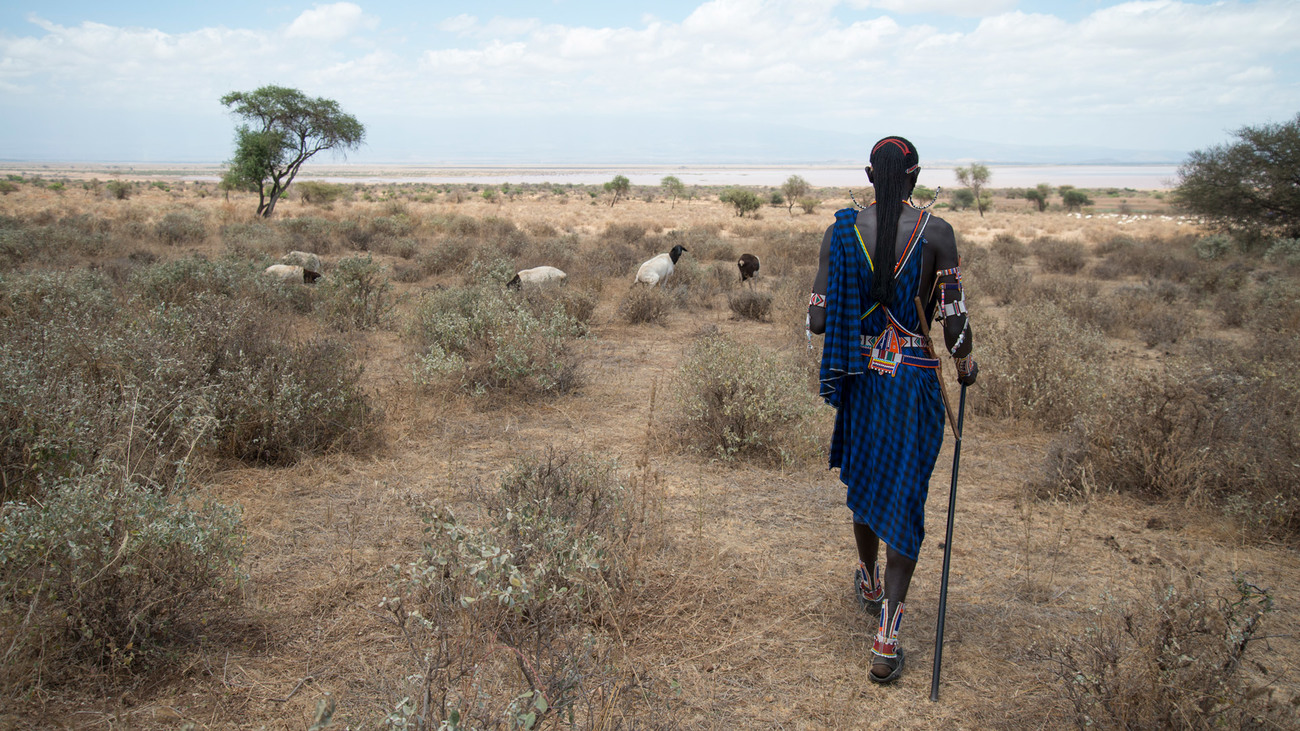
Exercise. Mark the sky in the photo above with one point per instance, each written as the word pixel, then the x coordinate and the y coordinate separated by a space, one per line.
pixel 551 82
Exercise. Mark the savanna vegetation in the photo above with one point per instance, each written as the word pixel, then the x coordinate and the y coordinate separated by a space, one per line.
pixel 410 497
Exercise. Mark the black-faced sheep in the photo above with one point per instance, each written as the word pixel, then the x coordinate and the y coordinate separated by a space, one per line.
pixel 748 266
pixel 291 273
pixel 658 268
pixel 537 276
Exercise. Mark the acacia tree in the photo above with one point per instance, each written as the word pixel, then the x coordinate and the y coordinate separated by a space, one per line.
pixel 620 186
pixel 1250 187
pixel 674 187
pixel 976 177
pixel 1039 195
pixel 743 199
pixel 283 129
pixel 794 188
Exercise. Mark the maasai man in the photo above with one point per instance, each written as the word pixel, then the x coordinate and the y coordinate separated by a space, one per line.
pixel 877 374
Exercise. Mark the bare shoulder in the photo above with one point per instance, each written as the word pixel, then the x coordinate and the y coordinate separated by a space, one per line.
pixel 939 234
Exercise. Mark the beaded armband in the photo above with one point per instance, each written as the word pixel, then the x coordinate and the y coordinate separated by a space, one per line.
pixel 965 365
pixel 955 271
pixel 952 300
pixel 817 300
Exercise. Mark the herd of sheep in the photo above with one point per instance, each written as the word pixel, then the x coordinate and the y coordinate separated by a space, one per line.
pixel 305 267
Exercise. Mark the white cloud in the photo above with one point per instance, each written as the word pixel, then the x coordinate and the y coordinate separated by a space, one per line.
pixel 1009 75
pixel 961 8
pixel 329 22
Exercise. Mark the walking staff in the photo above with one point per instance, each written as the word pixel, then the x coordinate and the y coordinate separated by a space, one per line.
pixel 880 377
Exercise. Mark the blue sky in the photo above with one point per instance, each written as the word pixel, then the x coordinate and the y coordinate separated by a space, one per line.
pixel 563 81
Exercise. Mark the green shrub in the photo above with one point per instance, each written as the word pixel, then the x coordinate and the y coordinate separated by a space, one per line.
pixel 119 189
pixel 307 233
pixel 743 200
pixel 357 294
pixel 1284 251
pixel 105 571
pixel 809 204
pixel 539 579
pixel 181 227
pixel 735 401
pixel 644 305
pixel 487 341
pixel 319 193
pixel 1214 246
pixel 7 187
pixel 751 305
pixel 258 240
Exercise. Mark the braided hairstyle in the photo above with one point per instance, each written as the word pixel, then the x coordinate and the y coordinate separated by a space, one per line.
pixel 894 163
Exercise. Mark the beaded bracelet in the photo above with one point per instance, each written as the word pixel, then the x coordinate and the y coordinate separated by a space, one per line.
pixel 965 365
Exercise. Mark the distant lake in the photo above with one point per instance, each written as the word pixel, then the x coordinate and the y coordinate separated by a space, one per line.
pixel 1141 177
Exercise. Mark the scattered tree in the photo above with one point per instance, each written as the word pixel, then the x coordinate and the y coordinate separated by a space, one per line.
pixel 619 186
pixel 743 199
pixel 776 198
pixel 1250 187
pixel 674 187
pixel 976 177
pixel 794 188
pixel 1039 195
pixel 284 129
pixel 922 194
pixel 119 189
pixel 1073 198
pixel 962 198
pixel 808 204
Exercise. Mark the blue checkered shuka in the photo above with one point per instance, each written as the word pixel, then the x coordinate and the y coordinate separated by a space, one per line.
pixel 888 428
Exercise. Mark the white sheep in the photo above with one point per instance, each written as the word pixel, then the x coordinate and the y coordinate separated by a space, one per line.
pixel 291 273
pixel 304 259
pixel 537 276
pixel 657 269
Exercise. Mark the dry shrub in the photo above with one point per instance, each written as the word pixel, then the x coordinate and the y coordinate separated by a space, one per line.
pixel 181 227
pixel 1060 257
pixel 1207 431
pixel 1179 660
pixel 445 256
pixel 1155 258
pixel 644 305
pixel 736 401
pixel 486 341
pixel 308 233
pixel 1041 365
pixel 996 278
pixel 1007 246
pixel 751 305
pixel 611 261
pixel 627 234
pixel 357 294
pixel 257 240
pixel 54 241
pixel 508 625
pixel 1165 327
pixel 692 285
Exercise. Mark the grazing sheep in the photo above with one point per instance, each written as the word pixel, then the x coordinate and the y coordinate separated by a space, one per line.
pixel 658 268
pixel 291 273
pixel 304 259
pixel 748 266
pixel 537 276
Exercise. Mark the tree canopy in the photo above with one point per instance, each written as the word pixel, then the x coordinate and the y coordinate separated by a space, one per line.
pixel 283 128
pixel 619 186
pixel 976 177
pixel 1039 195
pixel 794 188
pixel 1250 187
pixel 673 186
pixel 743 199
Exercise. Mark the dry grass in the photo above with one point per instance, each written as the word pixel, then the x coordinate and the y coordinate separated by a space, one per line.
pixel 741 614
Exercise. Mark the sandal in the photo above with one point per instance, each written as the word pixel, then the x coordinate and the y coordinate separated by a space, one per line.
pixel 885 650
pixel 868 598
pixel 895 663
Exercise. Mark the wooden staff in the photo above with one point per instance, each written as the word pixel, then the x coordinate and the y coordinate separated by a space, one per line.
pixel 953 421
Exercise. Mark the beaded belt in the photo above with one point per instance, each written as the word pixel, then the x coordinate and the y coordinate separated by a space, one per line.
pixel 906 341
pixel 911 360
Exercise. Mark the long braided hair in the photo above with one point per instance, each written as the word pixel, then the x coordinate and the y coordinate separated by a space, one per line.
pixel 893 161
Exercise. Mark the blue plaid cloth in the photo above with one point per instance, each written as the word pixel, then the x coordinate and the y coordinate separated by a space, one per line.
pixel 888 429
